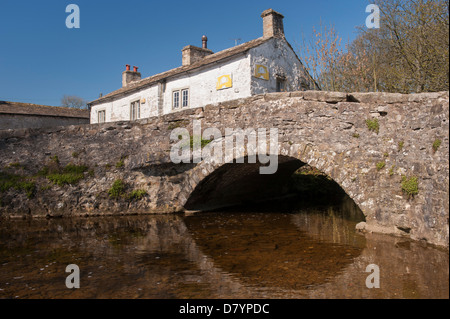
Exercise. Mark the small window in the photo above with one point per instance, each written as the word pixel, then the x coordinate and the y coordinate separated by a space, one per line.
pixel 135 110
pixel 281 85
pixel 185 95
pixel 101 116
pixel 176 100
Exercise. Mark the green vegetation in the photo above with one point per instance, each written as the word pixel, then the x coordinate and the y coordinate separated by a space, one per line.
pixel 309 170
pixel 392 171
pixel 400 145
pixel 55 159
pixel 20 183
pixel 63 179
pixel 437 143
pixel 71 174
pixel 75 169
pixel 29 187
pixel 137 194
pixel 44 171
pixel 203 142
pixel 75 154
pixel 177 124
pixel 121 162
pixel 386 154
pixel 117 189
pixel 356 135
pixel 15 165
pixel 46 187
pixel 108 166
pixel 381 165
pixel 53 172
pixel 373 125
pixel 410 186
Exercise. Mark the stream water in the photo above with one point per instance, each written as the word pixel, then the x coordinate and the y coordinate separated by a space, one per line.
pixel 312 252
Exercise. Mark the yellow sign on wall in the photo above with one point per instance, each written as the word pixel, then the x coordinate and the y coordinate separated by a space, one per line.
pixel 224 82
pixel 262 72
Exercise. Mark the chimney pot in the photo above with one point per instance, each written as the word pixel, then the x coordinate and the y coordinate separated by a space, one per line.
pixel 205 42
pixel 128 67
pixel 129 77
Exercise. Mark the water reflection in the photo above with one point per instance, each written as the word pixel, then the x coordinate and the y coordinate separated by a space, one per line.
pixel 313 253
pixel 269 250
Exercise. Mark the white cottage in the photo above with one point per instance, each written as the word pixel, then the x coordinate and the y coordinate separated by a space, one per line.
pixel 267 64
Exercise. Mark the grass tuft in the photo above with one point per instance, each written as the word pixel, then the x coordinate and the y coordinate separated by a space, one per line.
pixel 373 125
pixel 410 186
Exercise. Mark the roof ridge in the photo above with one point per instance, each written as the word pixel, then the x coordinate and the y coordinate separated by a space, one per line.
pixel 26 103
pixel 205 61
pixel 7 107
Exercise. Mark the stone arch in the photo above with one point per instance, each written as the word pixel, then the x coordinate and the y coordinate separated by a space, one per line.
pixel 238 180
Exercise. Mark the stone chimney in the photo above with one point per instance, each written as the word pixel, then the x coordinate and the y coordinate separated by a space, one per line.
pixel 192 54
pixel 129 76
pixel 272 24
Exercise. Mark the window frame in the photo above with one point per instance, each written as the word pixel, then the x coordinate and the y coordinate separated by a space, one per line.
pixel 187 99
pixel 177 107
pixel 137 111
pixel 180 100
pixel 103 111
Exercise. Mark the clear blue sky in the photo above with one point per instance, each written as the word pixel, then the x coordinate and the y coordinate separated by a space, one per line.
pixel 41 59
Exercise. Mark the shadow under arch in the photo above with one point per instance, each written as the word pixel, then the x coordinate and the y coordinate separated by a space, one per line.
pixel 235 184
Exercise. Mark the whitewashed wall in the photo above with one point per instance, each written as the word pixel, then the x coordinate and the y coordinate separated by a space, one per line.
pixel 279 58
pixel 119 110
pixel 202 83
pixel 202 90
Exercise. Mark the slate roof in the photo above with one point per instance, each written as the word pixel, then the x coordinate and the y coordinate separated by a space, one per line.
pixel 41 110
pixel 216 57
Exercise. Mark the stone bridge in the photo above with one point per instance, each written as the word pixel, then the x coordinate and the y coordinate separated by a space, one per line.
pixel 408 137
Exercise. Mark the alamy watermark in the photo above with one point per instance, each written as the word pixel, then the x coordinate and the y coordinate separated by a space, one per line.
pixel 373 280
pixel 373 20
pixel 73 19
pixel 73 280
pixel 232 147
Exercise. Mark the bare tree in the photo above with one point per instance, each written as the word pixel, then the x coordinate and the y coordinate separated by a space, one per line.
pixel 74 102
pixel 409 53
pixel 411 45
pixel 321 54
